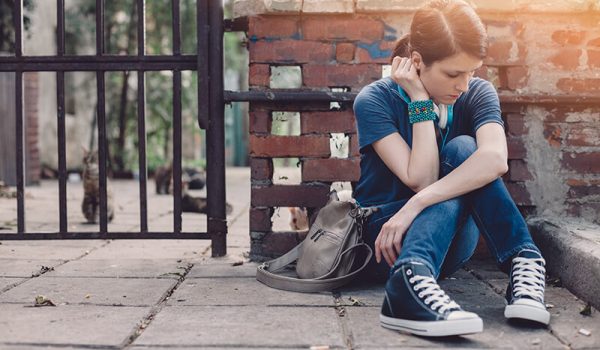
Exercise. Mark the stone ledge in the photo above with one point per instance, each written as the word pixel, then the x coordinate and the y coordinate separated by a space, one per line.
pixel 248 8
pixel 572 252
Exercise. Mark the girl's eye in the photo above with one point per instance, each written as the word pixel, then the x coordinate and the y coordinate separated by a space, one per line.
pixel 452 75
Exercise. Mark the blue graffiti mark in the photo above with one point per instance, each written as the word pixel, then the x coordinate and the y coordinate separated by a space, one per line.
pixel 296 36
pixel 390 38
pixel 374 50
pixel 389 29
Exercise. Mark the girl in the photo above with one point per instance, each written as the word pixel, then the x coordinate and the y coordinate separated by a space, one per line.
pixel 433 147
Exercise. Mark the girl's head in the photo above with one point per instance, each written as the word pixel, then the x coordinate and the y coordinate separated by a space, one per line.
pixel 447 43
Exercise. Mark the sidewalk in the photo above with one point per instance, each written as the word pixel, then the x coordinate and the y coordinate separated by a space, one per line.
pixel 170 294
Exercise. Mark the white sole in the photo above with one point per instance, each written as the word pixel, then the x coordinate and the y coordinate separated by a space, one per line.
pixel 527 312
pixel 434 328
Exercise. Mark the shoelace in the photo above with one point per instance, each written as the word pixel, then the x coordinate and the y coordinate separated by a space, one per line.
pixel 529 278
pixel 428 288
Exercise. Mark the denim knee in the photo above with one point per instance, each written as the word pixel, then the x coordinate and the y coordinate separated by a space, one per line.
pixel 457 151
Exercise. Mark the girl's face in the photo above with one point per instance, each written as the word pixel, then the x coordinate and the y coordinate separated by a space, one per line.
pixel 447 79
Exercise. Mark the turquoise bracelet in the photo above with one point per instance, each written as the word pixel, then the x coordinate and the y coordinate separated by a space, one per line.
pixel 421 111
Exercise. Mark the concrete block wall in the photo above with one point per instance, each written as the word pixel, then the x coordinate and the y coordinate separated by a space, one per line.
pixel 537 48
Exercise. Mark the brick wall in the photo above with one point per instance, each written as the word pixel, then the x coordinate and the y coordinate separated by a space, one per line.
pixel 536 50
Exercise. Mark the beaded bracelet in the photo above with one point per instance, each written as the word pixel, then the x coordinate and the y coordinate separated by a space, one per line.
pixel 421 111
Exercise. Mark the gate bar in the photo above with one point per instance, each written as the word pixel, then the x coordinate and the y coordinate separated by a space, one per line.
pixel 102 144
pixel 203 74
pixel 141 114
pixel 176 164
pixel 60 103
pixel 217 224
pixel 18 23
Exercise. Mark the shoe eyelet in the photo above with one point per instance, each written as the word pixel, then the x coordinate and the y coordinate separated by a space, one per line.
pixel 421 295
pixel 409 272
pixel 415 288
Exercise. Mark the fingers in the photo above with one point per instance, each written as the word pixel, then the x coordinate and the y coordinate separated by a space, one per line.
pixel 377 249
pixel 387 245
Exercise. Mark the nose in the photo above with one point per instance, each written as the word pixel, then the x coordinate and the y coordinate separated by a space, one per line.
pixel 463 84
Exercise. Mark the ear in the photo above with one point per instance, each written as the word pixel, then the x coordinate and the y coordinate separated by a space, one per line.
pixel 417 60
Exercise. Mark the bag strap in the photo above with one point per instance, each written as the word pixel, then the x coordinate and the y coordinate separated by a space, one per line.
pixel 265 273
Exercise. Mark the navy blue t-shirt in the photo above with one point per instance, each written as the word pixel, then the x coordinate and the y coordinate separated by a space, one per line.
pixel 381 111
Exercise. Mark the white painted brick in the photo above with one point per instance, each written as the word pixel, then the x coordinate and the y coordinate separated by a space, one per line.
pixel 328 6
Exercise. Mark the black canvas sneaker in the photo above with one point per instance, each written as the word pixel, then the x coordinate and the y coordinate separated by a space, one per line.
pixel 525 292
pixel 415 303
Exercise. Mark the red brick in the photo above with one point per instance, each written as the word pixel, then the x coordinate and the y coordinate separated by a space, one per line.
pixel 553 134
pixel 594 58
pixel 584 162
pixel 583 188
pixel 259 75
pixel 331 170
pixel 499 53
pixel 516 124
pixel 518 170
pixel 346 28
pixel 567 59
pixel 482 72
pixel 272 27
pixel 519 193
pixel 579 85
pixel 260 219
pixel 340 75
pixel 289 146
pixel 313 196
pixel 354 149
pixel 516 148
pixel 583 135
pixel 568 37
pixel 516 77
pixel 328 122
pixel 291 51
pixel 260 122
pixel 261 168
pixel 344 52
pixel 379 54
pixel 594 42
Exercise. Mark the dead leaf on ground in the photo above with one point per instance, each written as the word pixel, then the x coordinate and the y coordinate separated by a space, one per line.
pixel 41 300
pixel 586 310
pixel 355 302
pixel 585 332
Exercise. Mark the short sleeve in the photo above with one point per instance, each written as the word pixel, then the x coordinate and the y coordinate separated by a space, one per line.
pixel 374 116
pixel 484 106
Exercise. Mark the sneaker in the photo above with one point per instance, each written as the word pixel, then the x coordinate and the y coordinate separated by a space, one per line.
pixel 415 303
pixel 525 292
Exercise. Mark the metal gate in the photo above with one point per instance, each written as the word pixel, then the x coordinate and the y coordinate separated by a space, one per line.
pixel 208 62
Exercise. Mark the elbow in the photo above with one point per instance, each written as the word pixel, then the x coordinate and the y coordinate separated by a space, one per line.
pixel 499 163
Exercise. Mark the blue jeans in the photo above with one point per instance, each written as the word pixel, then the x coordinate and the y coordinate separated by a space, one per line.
pixel 444 235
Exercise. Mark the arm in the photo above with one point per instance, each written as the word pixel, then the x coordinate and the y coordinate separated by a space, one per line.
pixel 419 167
pixel 485 165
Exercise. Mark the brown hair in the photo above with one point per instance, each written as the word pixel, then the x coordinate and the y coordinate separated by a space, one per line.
pixel 443 28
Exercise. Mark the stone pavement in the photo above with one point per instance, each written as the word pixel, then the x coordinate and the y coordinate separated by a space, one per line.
pixel 170 294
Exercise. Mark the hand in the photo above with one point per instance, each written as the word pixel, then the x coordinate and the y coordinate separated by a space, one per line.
pixel 404 73
pixel 389 239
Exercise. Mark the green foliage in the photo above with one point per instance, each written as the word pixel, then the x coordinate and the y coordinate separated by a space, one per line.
pixel 7 28
pixel 120 33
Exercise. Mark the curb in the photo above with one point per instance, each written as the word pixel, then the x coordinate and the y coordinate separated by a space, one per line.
pixel 572 252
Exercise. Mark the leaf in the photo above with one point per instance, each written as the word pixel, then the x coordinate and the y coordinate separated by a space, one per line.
pixel 586 310
pixel 355 302
pixel 41 300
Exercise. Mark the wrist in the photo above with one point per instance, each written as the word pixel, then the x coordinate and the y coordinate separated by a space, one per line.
pixel 417 202
pixel 419 97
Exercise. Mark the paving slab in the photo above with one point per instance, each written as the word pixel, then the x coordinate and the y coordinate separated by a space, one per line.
pixel 7 281
pixel 119 268
pixel 68 325
pixel 94 291
pixel 566 320
pixel 150 249
pixel 223 270
pixel 25 267
pixel 48 250
pixel 250 327
pixel 241 292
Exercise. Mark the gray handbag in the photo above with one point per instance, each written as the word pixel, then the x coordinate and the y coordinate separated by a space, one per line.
pixel 325 258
